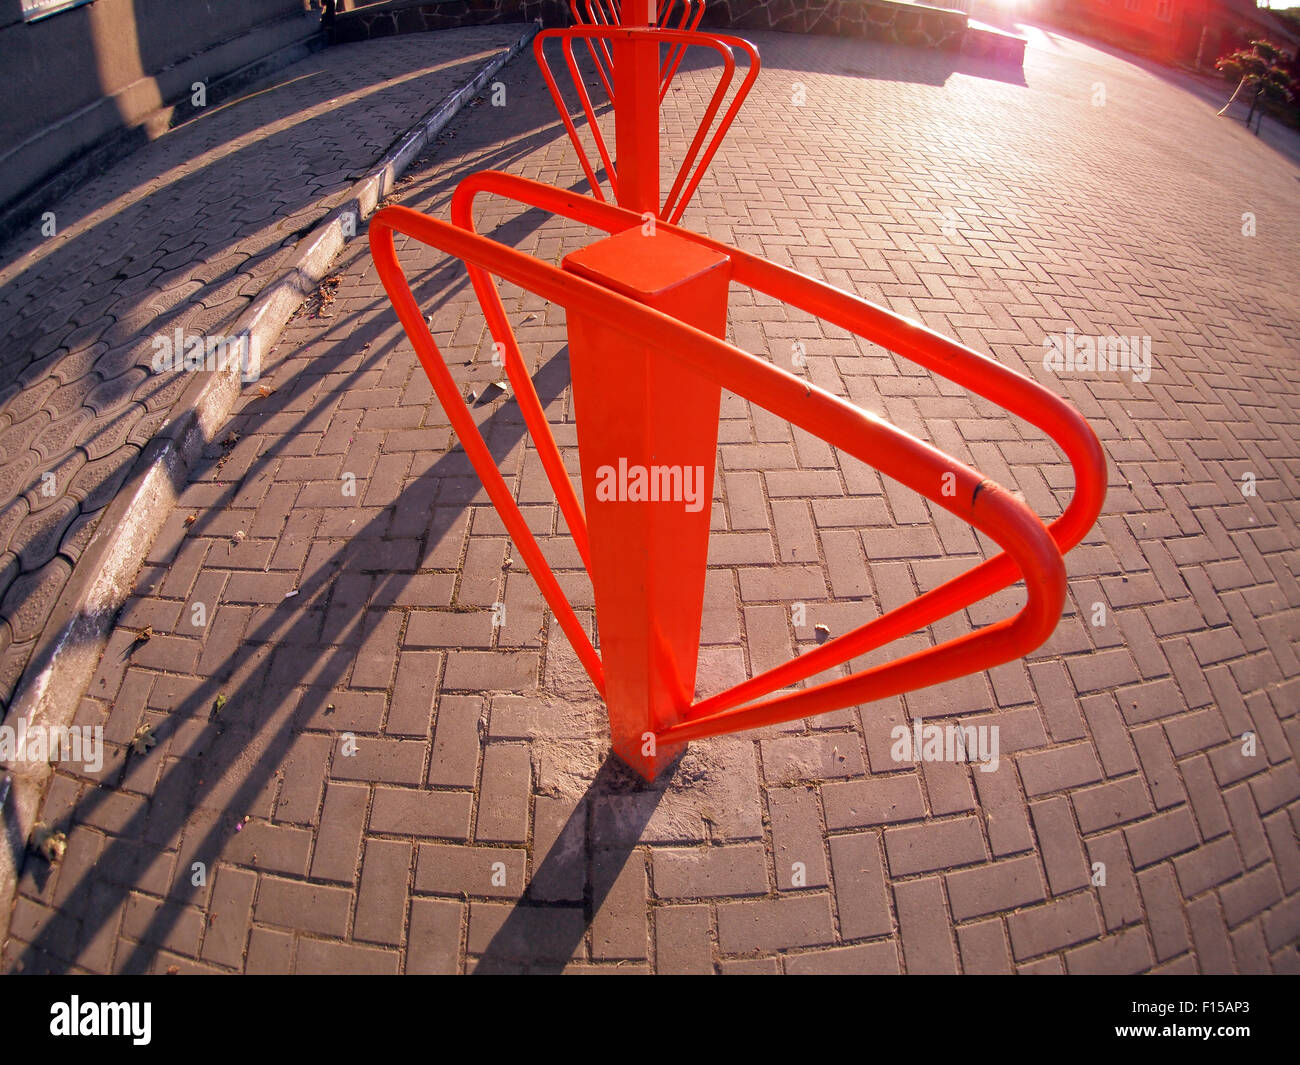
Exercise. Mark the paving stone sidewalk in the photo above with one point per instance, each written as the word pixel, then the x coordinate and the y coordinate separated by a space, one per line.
pixel 182 234
pixel 373 777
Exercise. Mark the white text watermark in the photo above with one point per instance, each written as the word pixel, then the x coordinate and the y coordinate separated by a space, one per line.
pixel 178 351
pixel 53 743
pixel 102 1018
pixel 653 484
pixel 1068 353
pixel 950 743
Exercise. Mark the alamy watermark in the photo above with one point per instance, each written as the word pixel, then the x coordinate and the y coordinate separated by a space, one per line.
pixel 950 743
pixel 178 351
pixel 1068 353
pixel 77 1018
pixel 53 743
pixel 651 484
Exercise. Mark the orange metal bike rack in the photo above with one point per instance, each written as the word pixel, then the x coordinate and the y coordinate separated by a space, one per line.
pixel 599 13
pixel 694 165
pixel 647 309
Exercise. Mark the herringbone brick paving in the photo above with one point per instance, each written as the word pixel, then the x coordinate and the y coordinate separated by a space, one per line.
pixel 181 235
pixel 396 783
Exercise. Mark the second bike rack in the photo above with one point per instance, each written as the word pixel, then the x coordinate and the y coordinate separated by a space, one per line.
pixel 693 167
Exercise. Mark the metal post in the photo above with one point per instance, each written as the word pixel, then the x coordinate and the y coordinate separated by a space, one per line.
pixel 647 441
pixel 636 112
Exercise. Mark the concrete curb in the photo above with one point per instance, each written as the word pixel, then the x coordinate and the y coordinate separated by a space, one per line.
pixel 77 631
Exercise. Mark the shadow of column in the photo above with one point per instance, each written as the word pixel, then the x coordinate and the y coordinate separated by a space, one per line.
pixel 548 924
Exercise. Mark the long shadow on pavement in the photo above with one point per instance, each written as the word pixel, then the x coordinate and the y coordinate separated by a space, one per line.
pixel 260 685
pixel 568 890
pixel 264 710
pixel 259 715
pixel 521 136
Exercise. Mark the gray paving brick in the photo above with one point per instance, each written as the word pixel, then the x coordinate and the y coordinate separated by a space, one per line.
pixel 682 940
pixel 620 926
pixel 774 924
pixel 433 946
pixel 1115 803
pixel 428 814
pixel 503 794
pixel 862 959
pixel 1056 924
pixel 1001 886
pixel 709 872
pixel 381 900
pixel 316 908
pixel 879 800
pixel 798 852
pixel 445 869
pixel 860 886
pixel 934 845
pixel 1059 843
pixel 984 948
pixel 928 945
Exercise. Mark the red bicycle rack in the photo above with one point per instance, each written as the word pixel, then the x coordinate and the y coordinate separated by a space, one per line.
pixel 647 309
pixel 690 174
pixel 599 13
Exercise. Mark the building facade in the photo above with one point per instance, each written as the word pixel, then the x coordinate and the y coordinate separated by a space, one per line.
pixel 1184 32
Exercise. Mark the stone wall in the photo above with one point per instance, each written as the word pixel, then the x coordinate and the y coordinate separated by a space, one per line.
pixel 415 16
pixel 891 21
pixel 878 20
